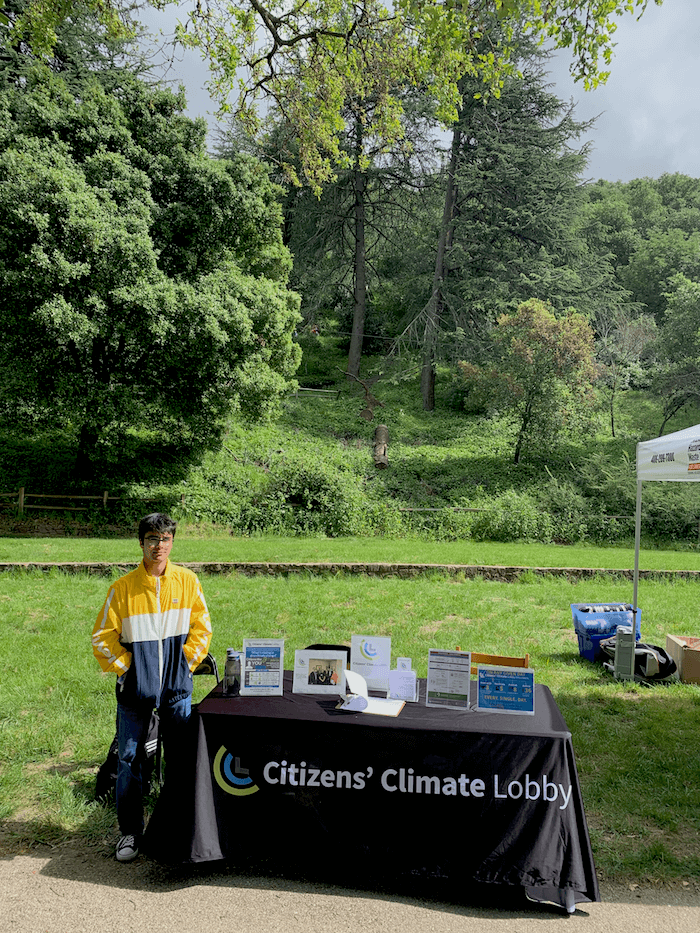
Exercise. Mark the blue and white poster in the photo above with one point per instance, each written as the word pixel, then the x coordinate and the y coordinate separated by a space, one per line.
pixel 505 690
pixel 262 667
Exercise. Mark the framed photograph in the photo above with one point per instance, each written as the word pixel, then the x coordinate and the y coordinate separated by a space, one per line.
pixel 319 671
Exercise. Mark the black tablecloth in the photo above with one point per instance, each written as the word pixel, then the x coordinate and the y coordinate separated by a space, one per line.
pixel 433 793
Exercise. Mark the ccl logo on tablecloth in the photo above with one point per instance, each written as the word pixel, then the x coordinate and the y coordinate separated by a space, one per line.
pixel 231 776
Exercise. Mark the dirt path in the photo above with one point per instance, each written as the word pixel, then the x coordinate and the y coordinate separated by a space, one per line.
pixel 73 890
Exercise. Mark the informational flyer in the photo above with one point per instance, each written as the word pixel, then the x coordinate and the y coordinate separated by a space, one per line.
pixel 506 690
pixel 262 668
pixel 403 685
pixel 448 678
pixel 370 656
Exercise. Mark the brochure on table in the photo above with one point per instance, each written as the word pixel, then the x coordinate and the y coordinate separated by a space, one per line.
pixel 319 671
pixel 262 667
pixel 403 682
pixel 448 678
pixel 370 656
pixel 358 699
pixel 506 690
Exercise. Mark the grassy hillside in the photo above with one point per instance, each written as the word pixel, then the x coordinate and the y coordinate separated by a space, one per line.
pixel 451 475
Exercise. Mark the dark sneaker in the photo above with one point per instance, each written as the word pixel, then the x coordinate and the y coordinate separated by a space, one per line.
pixel 127 849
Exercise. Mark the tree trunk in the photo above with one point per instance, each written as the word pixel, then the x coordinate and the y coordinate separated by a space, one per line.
pixel 522 433
pixel 518 448
pixel 84 465
pixel 612 412
pixel 427 379
pixel 360 271
pixel 381 447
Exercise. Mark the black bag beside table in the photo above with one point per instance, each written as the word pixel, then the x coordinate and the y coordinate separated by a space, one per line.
pixel 477 798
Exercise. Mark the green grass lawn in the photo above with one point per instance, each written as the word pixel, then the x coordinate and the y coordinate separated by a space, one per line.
pixel 637 748
pixel 190 546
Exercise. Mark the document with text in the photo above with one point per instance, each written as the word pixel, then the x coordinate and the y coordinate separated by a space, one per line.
pixel 448 678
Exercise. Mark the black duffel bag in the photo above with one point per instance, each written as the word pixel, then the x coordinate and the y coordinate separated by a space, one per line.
pixel 652 664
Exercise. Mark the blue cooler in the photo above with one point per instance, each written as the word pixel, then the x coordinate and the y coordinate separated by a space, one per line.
pixel 593 623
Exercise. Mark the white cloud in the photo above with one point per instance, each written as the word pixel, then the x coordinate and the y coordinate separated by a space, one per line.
pixel 649 109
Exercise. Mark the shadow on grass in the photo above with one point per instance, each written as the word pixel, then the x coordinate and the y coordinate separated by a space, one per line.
pixel 639 767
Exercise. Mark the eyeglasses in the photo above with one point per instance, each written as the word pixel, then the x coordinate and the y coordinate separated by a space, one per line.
pixel 152 541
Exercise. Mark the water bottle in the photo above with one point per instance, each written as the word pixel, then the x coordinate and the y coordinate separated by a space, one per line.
pixel 232 673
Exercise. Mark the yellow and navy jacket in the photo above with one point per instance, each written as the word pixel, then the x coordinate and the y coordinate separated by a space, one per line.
pixel 153 632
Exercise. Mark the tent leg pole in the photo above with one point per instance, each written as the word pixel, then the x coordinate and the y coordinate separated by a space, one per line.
pixel 637 538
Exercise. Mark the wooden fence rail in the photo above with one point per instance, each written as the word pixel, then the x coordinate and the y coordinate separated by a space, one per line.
pixel 57 499
pixel 22 495
pixel 464 508
pixel 302 392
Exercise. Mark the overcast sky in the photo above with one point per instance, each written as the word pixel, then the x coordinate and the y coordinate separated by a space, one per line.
pixel 648 112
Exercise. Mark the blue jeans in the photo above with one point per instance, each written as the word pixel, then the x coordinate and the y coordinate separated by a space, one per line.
pixel 132 729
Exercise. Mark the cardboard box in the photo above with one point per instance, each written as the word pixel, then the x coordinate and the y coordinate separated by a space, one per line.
pixel 685 651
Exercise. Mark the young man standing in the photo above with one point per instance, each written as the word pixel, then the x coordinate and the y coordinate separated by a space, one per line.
pixel 152 632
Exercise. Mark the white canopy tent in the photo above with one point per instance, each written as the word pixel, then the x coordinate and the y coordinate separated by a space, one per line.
pixel 673 458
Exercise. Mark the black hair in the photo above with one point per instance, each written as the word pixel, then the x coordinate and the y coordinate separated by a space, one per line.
pixel 159 522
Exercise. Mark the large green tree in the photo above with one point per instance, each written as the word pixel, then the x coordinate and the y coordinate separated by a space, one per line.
pixel 677 379
pixel 541 375
pixel 82 48
pixel 607 223
pixel 659 256
pixel 510 220
pixel 142 284
pixel 339 237
pixel 516 199
pixel 649 228
pixel 311 56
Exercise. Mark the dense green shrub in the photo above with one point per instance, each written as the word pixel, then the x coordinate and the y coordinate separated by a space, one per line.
pixel 305 496
pixel 671 511
pixel 569 510
pixel 609 482
pixel 513 516
pixel 445 525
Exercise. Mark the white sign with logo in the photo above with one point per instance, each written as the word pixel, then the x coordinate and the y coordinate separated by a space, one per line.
pixel 370 656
